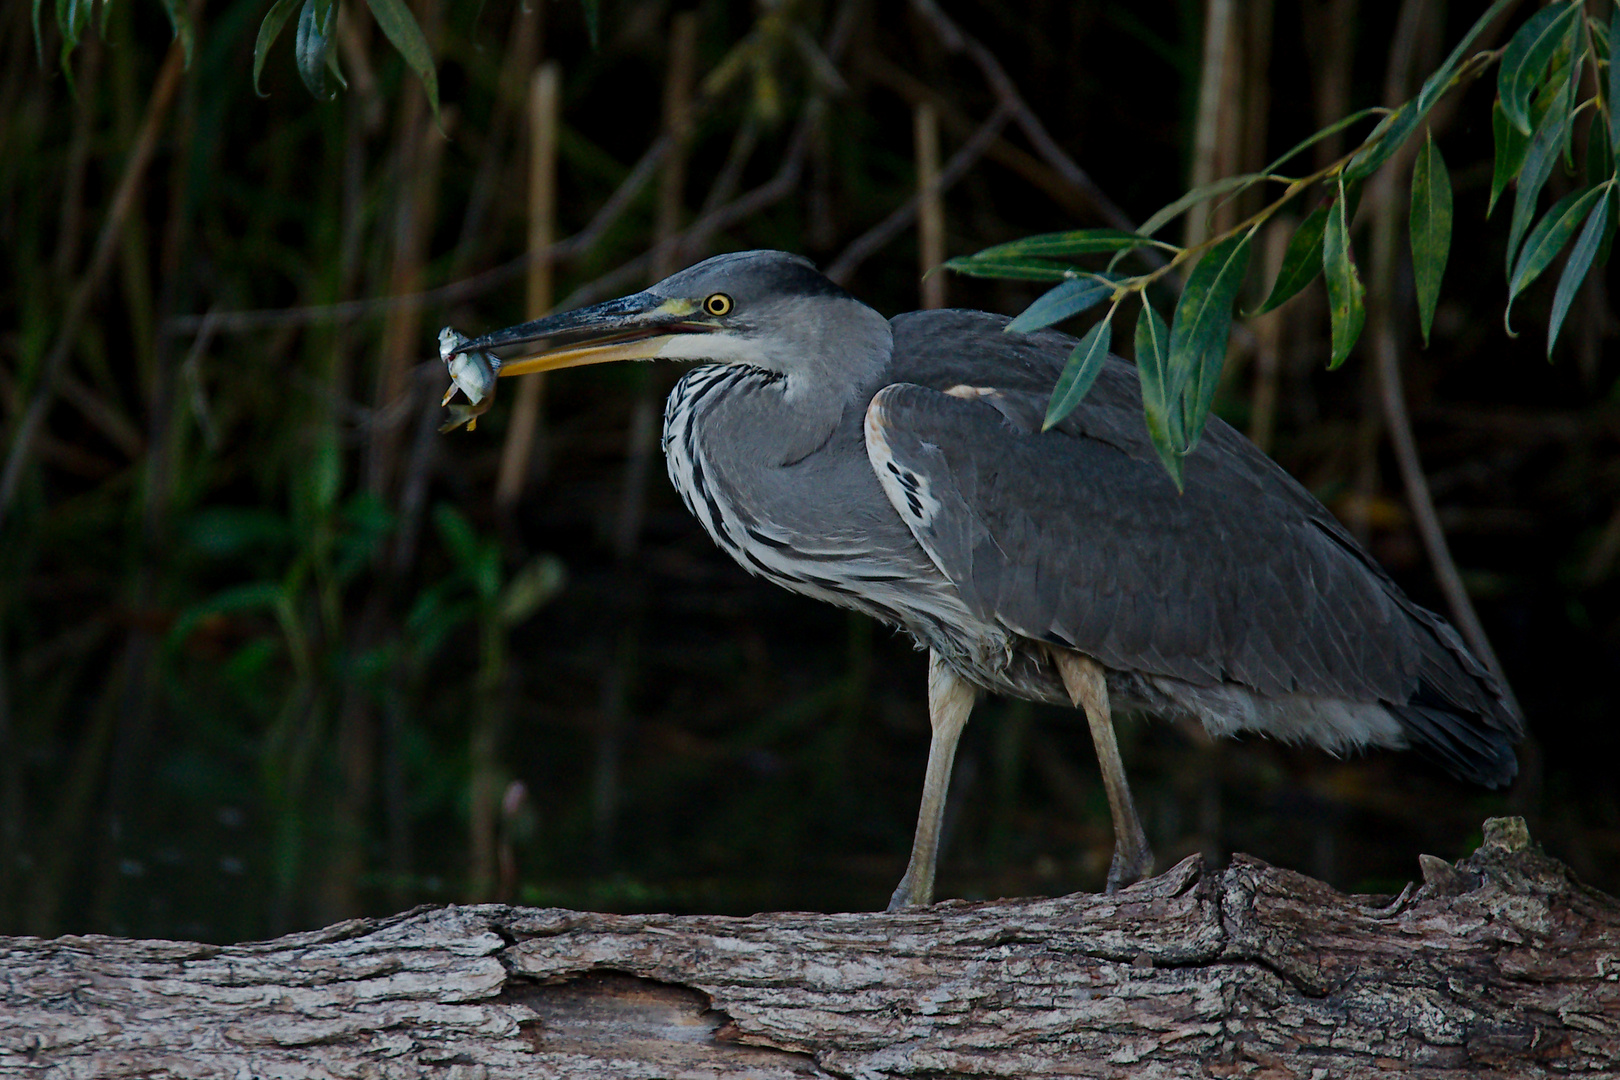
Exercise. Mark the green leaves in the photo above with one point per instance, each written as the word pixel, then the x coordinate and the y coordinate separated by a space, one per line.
pixel 1437 83
pixel 1510 150
pixel 1016 269
pixel 1346 308
pixel 530 589
pixel 1180 368
pixel 317 23
pixel 269 30
pixel 1543 70
pixel 1612 94
pixel 1580 261
pixel 1547 239
pixel 1198 195
pixel 72 16
pixel 1302 259
pixel 1430 226
pixel 478 562
pixel 1063 301
pixel 1162 414
pixel 317 27
pixel 1538 164
pixel 400 25
pixel 1037 258
pixel 1525 60
pixel 1085 364
pixel 1203 321
pixel 179 18
pixel 1067 245
pixel 1385 139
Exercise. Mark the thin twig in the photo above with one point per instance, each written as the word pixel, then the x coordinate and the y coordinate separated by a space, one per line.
pixel 78 309
pixel 956 40
pixel 1423 512
pixel 564 250
pixel 917 92
pixel 873 240
pixel 457 291
pixel 930 206
pixel 774 190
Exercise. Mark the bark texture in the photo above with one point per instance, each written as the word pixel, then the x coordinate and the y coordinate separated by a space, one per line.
pixel 1499 966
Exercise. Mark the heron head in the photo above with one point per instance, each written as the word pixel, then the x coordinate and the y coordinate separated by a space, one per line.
pixel 762 309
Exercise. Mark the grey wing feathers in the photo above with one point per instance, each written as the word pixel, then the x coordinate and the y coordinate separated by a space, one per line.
pixel 1077 536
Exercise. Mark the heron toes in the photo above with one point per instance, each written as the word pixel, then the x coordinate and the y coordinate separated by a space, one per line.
pixel 908 894
pixel 1129 867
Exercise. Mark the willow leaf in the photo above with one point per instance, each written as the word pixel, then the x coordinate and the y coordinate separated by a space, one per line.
pixel 1152 362
pixel 269 30
pixel 401 27
pixel 1064 245
pixel 179 18
pixel 1613 94
pixel 1526 57
pixel 317 23
pixel 1546 240
pixel 1063 301
pixel 1430 229
pixel 1302 259
pixel 1197 195
pixel 1014 269
pixel 1510 148
pixel 1538 164
pixel 1085 364
pixel 1385 139
pixel 1346 308
pixel 1201 325
pixel 1312 140
pixel 1436 84
pixel 1599 154
pixel 1580 261
pixel 1607 241
pixel 72 16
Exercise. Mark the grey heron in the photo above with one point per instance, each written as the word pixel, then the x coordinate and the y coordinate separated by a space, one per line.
pixel 899 468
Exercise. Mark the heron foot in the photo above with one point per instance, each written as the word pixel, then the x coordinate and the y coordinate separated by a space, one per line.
pixel 906 895
pixel 1129 867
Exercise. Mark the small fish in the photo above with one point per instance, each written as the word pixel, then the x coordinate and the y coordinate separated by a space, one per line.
pixel 473 373
pixel 465 414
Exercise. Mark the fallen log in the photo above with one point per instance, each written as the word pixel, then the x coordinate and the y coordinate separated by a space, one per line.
pixel 1501 965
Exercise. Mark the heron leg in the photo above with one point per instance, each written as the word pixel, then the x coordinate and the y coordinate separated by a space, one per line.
pixel 1088 688
pixel 950 699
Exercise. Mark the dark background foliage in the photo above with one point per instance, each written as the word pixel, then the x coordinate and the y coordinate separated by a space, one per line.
pixel 262 661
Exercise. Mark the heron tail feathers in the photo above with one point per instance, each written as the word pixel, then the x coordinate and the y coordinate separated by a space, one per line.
pixel 1463 745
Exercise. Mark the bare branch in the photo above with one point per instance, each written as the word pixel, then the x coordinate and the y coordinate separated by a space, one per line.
pixel 873 240
pixel 78 309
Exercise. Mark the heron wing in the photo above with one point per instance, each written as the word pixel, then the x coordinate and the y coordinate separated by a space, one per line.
pixel 1077 536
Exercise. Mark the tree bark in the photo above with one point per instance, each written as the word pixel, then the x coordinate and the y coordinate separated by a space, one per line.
pixel 1499 966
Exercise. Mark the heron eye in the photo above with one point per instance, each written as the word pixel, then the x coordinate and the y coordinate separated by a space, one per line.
pixel 717 304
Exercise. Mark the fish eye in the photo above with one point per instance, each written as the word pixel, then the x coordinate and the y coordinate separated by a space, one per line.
pixel 717 304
